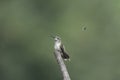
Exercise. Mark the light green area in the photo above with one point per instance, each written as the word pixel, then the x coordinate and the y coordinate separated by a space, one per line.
pixel 26 48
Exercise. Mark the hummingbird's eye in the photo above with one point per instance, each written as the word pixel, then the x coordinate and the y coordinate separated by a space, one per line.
pixel 58 38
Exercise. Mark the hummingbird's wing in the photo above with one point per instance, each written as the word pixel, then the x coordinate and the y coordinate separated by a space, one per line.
pixel 64 53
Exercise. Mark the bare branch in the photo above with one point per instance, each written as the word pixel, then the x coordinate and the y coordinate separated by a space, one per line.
pixel 63 68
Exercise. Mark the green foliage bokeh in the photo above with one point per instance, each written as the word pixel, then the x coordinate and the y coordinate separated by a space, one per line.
pixel 26 49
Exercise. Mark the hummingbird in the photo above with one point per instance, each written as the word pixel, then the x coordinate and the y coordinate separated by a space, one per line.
pixel 60 47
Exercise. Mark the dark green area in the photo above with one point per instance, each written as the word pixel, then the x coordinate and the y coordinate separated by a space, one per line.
pixel 26 49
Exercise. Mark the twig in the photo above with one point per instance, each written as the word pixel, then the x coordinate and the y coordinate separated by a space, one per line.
pixel 63 68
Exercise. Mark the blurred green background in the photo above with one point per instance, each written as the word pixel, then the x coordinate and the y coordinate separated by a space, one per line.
pixel 26 49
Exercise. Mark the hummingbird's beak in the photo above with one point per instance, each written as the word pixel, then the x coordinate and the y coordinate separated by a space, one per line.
pixel 52 36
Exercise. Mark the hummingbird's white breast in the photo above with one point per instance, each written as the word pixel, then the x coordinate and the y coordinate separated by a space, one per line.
pixel 57 45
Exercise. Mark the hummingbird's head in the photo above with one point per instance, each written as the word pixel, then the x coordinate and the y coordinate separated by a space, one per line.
pixel 56 38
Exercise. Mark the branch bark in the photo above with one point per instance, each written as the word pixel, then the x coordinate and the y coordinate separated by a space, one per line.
pixel 63 68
